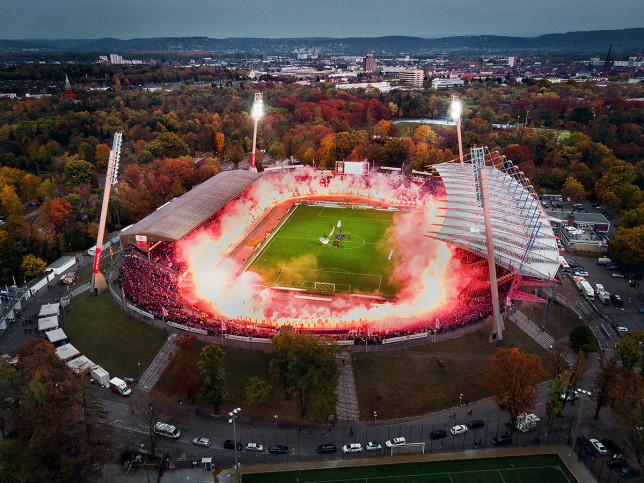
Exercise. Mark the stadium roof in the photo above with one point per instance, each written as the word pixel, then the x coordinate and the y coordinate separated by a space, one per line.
pixel 178 217
pixel 524 242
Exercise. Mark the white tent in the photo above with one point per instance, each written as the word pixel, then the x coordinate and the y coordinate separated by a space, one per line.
pixel 67 352
pixel 48 310
pixel 56 335
pixel 81 365
pixel 47 323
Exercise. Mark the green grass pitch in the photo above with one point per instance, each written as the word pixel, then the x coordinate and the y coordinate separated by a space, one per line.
pixel 294 256
pixel 522 469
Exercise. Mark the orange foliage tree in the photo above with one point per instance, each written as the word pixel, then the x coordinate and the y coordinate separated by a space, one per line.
pixel 513 377
pixel 186 372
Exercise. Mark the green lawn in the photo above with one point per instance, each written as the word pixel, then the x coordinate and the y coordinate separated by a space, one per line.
pixel 109 336
pixel 295 257
pixel 520 469
pixel 404 383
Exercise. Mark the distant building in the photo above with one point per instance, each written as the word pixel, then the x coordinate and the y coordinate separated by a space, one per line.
pixel 412 77
pixel 511 61
pixel 446 83
pixel 10 95
pixel 116 59
pixel 369 63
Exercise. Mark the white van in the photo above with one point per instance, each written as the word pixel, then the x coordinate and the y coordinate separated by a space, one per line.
pixel 167 430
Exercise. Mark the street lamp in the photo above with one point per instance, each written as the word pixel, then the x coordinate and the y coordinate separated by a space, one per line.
pixel 456 110
pixel 233 417
pixel 256 114
pixel 275 421
pixel 460 399
pixel 375 417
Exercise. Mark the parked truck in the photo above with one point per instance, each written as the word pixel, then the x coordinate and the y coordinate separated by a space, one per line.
pixel 100 375
pixel 526 422
pixel 604 261
pixel 604 297
pixel 587 290
pixel 118 385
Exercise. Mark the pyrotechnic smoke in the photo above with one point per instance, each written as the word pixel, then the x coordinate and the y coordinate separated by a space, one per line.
pixel 429 277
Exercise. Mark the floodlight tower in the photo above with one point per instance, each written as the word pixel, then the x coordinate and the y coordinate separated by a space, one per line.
pixel 110 179
pixel 257 113
pixel 483 200
pixel 455 111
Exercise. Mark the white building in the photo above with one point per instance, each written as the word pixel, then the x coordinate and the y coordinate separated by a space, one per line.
pixel 116 59
pixel 412 77
pixel 446 83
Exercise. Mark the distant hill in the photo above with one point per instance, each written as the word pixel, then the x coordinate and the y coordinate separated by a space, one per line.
pixel 593 41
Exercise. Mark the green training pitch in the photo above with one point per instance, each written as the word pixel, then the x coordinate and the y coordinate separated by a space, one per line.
pixel 294 257
pixel 522 469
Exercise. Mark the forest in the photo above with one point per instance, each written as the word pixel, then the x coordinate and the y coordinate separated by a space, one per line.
pixel 581 139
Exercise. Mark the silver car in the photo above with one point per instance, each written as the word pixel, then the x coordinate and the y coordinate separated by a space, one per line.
pixel 201 441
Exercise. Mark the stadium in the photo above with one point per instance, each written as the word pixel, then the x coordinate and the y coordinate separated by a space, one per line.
pixel 348 253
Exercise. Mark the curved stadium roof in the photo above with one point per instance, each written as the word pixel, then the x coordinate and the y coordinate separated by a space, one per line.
pixel 524 242
pixel 177 218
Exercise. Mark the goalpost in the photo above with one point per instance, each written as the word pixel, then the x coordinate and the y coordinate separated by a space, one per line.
pixel 324 287
pixel 408 448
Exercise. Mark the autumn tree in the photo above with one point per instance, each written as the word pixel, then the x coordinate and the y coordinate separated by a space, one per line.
pixel 513 377
pixel 573 189
pixel 78 172
pixel 32 266
pixel 258 391
pixel 184 366
pixel 102 156
pixel 213 375
pixel 305 363
pixel 582 338
pixel 54 214
pixel 58 421
pixel 604 382
pixel 628 245
pixel 9 201
pixel 631 352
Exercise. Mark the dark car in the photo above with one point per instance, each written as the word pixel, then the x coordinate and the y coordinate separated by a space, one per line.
pixel 629 472
pixel 611 446
pixel 326 448
pixel 230 444
pixel 503 440
pixel 617 300
pixel 278 449
pixel 475 424
pixel 617 463
pixel 585 444
pixel 437 434
pixel 611 267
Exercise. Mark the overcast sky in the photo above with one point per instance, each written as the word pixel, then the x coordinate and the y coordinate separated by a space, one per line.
pixel 126 19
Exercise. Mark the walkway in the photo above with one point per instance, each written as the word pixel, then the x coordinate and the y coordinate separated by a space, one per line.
pixel 347 406
pixel 153 372
pixel 541 337
pixel 80 290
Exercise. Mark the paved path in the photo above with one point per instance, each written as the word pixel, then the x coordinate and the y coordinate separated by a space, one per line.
pixel 80 290
pixel 541 337
pixel 153 372
pixel 347 406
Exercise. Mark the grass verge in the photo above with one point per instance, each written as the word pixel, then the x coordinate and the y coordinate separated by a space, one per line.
pixel 429 378
pixel 109 336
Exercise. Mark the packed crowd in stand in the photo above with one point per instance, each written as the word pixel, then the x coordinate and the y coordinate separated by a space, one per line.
pixel 151 285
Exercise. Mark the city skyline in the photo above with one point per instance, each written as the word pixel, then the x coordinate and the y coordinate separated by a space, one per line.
pixel 304 18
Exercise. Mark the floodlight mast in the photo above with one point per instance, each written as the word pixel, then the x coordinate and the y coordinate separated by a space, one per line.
pixel 257 113
pixel 110 179
pixel 455 111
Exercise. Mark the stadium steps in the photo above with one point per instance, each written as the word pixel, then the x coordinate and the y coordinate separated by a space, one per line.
pixel 543 338
pixel 153 372
pixel 347 405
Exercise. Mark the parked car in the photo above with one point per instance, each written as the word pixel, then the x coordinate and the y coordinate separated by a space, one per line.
pixel 475 424
pixel 580 273
pixel 611 267
pixel 601 449
pixel 617 463
pixel 438 434
pixel 617 300
pixel 629 472
pixel 503 440
pixel 617 275
pixel 256 447
pixel 327 448
pixel 395 442
pixel 278 449
pixel 585 444
pixel 458 429
pixel 352 448
pixel 230 444
pixel 373 446
pixel 201 441
pixel 611 446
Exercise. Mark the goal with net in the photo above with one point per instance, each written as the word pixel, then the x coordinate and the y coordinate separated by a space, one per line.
pixel 409 448
pixel 324 287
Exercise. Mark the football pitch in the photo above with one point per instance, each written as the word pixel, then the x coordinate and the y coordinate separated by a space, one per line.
pixel 357 258
pixel 523 469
